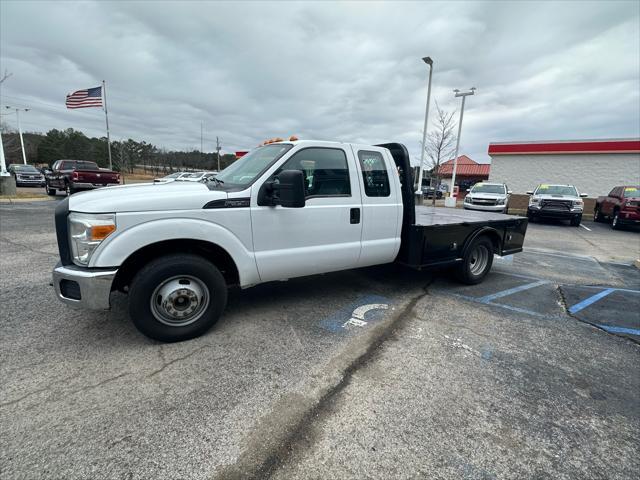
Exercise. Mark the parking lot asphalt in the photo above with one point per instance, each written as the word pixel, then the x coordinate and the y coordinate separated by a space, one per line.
pixel 371 373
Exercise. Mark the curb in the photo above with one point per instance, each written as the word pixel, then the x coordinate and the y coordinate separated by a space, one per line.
pixel 26 200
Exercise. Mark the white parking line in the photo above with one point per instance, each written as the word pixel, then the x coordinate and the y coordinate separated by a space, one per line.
pixel 586 228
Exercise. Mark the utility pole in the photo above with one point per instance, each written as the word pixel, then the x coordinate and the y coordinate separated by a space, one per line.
pixel 450 201
pixel 218 152
pixel 429 62
pixel 24 155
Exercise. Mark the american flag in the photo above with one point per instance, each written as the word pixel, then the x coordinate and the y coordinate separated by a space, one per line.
pixel 91 97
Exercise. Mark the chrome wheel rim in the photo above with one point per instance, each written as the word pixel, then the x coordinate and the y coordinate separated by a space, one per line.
pixel 615 220
pixel 179 301
pixel 478 260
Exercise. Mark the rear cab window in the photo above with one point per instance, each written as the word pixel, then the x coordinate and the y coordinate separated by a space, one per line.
pixel 374 174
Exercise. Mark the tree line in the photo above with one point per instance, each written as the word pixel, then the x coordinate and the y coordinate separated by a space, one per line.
pixel 44 149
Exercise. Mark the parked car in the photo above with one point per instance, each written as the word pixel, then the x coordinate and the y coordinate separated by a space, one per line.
pixel 556 201
pixel 488 197
pixel 428 192
pixel 621 206
pixel 74 175
pixel 26 175
pixel 170 178
pixel 284 210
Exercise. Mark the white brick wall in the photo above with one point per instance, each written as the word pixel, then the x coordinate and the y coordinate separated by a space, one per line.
pixel 594 174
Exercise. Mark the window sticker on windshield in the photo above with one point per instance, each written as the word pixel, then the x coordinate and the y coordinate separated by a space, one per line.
pixel 545 187
pixel 630 189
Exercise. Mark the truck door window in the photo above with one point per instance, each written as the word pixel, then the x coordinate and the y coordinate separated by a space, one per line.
pixel 325 171
pixel 374 174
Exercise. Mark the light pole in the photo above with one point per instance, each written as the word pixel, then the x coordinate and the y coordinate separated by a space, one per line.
pixel 450 201
pixel 3 165
pixel 24 155
pixel 429 62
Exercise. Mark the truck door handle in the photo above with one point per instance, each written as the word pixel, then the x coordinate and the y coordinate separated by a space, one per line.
pixel 355 215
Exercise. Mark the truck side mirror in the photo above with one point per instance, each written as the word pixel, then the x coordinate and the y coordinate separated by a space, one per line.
pixel 530 192
pixel 290 187
pixel 509 192
pixel 584 195
pixel 286 189
pixel 468 189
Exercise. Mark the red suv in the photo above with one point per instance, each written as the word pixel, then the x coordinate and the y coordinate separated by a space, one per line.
pixel 622 206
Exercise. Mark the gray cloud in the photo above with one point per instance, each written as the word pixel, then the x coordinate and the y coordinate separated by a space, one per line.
pixel 336 71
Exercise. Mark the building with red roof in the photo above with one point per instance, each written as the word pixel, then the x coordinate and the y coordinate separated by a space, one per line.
pixel 468 172
pixel 593 166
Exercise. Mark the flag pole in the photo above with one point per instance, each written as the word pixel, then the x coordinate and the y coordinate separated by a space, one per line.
pixel 106 117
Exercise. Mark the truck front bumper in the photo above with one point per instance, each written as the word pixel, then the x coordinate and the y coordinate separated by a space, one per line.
pixel 485 208
pixel 83 287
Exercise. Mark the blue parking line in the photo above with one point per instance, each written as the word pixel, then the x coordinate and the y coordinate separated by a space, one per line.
pixel 593 299
pixel 511 291
pixel 612 329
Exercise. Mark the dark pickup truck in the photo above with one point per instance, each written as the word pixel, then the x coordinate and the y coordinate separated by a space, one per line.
pixel 74 175
pixel 622 206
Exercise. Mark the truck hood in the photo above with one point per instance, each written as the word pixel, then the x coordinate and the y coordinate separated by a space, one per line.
pixel 488 196
pixel 145 197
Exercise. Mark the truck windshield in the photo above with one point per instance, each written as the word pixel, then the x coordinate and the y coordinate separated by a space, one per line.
pixel 26 169
pixel 243 172
pixel 631 192
pixel 556 190
pixel 487 188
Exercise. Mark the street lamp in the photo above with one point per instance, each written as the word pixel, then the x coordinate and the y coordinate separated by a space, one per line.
pixel 451 200
pixel 429 62
pixel 24 155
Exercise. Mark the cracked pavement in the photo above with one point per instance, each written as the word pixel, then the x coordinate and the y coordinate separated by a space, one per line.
pixel 440 385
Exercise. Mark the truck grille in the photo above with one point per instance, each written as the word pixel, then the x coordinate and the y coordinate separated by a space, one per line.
pixel 483 201
pixel 556 204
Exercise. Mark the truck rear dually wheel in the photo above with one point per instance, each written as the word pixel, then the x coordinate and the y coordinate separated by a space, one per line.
pixel 477 261
pixel 177 297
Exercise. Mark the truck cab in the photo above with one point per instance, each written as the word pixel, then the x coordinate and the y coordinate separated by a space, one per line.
pixel 284 210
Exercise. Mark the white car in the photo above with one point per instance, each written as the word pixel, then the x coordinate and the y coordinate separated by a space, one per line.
pixel 171 178
pixel 489 197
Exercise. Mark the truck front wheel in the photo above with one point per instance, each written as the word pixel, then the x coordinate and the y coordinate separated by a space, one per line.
pixel 177 297
pixel 476 262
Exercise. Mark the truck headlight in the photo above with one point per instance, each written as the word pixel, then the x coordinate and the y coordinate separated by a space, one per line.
pixel 86 232
pixel 534 201
pixel 501 201
pixel 578 203
pixel 467 199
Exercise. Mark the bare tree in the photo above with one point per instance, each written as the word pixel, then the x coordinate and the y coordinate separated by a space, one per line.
pixel 5 76
pixel 441 143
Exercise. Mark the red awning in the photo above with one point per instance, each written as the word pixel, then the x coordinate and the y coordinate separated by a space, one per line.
pixel 568 147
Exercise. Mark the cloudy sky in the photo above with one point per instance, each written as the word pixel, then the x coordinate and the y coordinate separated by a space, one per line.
pixel 325 70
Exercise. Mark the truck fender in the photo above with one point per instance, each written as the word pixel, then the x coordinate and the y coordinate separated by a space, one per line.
pixel 114 251
pixel 491 232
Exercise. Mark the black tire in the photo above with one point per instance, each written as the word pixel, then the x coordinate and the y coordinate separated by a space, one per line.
pixel 50 191
pixel 597 215
pixel 531 217
pixel 575 221
pixel 466 272
pixel 615 221
pixel 165 271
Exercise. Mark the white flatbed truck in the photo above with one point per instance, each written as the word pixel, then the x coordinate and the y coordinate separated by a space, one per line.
pixel 285 210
